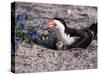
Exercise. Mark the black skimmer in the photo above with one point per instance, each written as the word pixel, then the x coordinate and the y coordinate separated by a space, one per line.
pixel 70 37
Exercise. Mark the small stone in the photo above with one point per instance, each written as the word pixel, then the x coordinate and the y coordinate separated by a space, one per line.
pixel 76 55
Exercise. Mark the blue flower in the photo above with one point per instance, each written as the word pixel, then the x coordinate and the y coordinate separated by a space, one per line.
pixel 18 39
pixel 33 34
pixel 21 17
pixel 20 25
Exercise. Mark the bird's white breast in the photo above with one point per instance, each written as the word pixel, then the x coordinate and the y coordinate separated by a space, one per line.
pixel 65 38
pixel 62 36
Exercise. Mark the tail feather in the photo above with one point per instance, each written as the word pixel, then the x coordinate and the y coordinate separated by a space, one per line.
pixel 93 27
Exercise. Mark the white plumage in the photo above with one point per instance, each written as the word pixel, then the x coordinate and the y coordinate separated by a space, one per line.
pixel 61 35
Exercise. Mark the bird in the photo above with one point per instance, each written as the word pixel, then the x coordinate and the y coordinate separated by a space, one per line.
pixel 71 37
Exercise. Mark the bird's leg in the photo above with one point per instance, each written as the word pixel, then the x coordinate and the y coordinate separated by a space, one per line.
pixel 54 44
pixel 59 45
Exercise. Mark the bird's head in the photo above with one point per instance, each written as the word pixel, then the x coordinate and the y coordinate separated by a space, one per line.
pixel 57 23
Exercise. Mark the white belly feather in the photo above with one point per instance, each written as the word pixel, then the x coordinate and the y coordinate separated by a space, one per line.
pixel 65 38
pixel 62 36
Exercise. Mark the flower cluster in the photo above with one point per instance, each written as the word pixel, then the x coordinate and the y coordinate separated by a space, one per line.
pixel 27 32
pixel 24 31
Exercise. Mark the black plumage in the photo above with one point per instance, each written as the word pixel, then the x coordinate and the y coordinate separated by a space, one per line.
pixel 85 35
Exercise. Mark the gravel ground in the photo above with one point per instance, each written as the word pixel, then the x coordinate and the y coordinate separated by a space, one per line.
pixel 40 59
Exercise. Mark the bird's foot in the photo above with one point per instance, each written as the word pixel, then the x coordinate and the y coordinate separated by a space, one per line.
pixel 59 45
